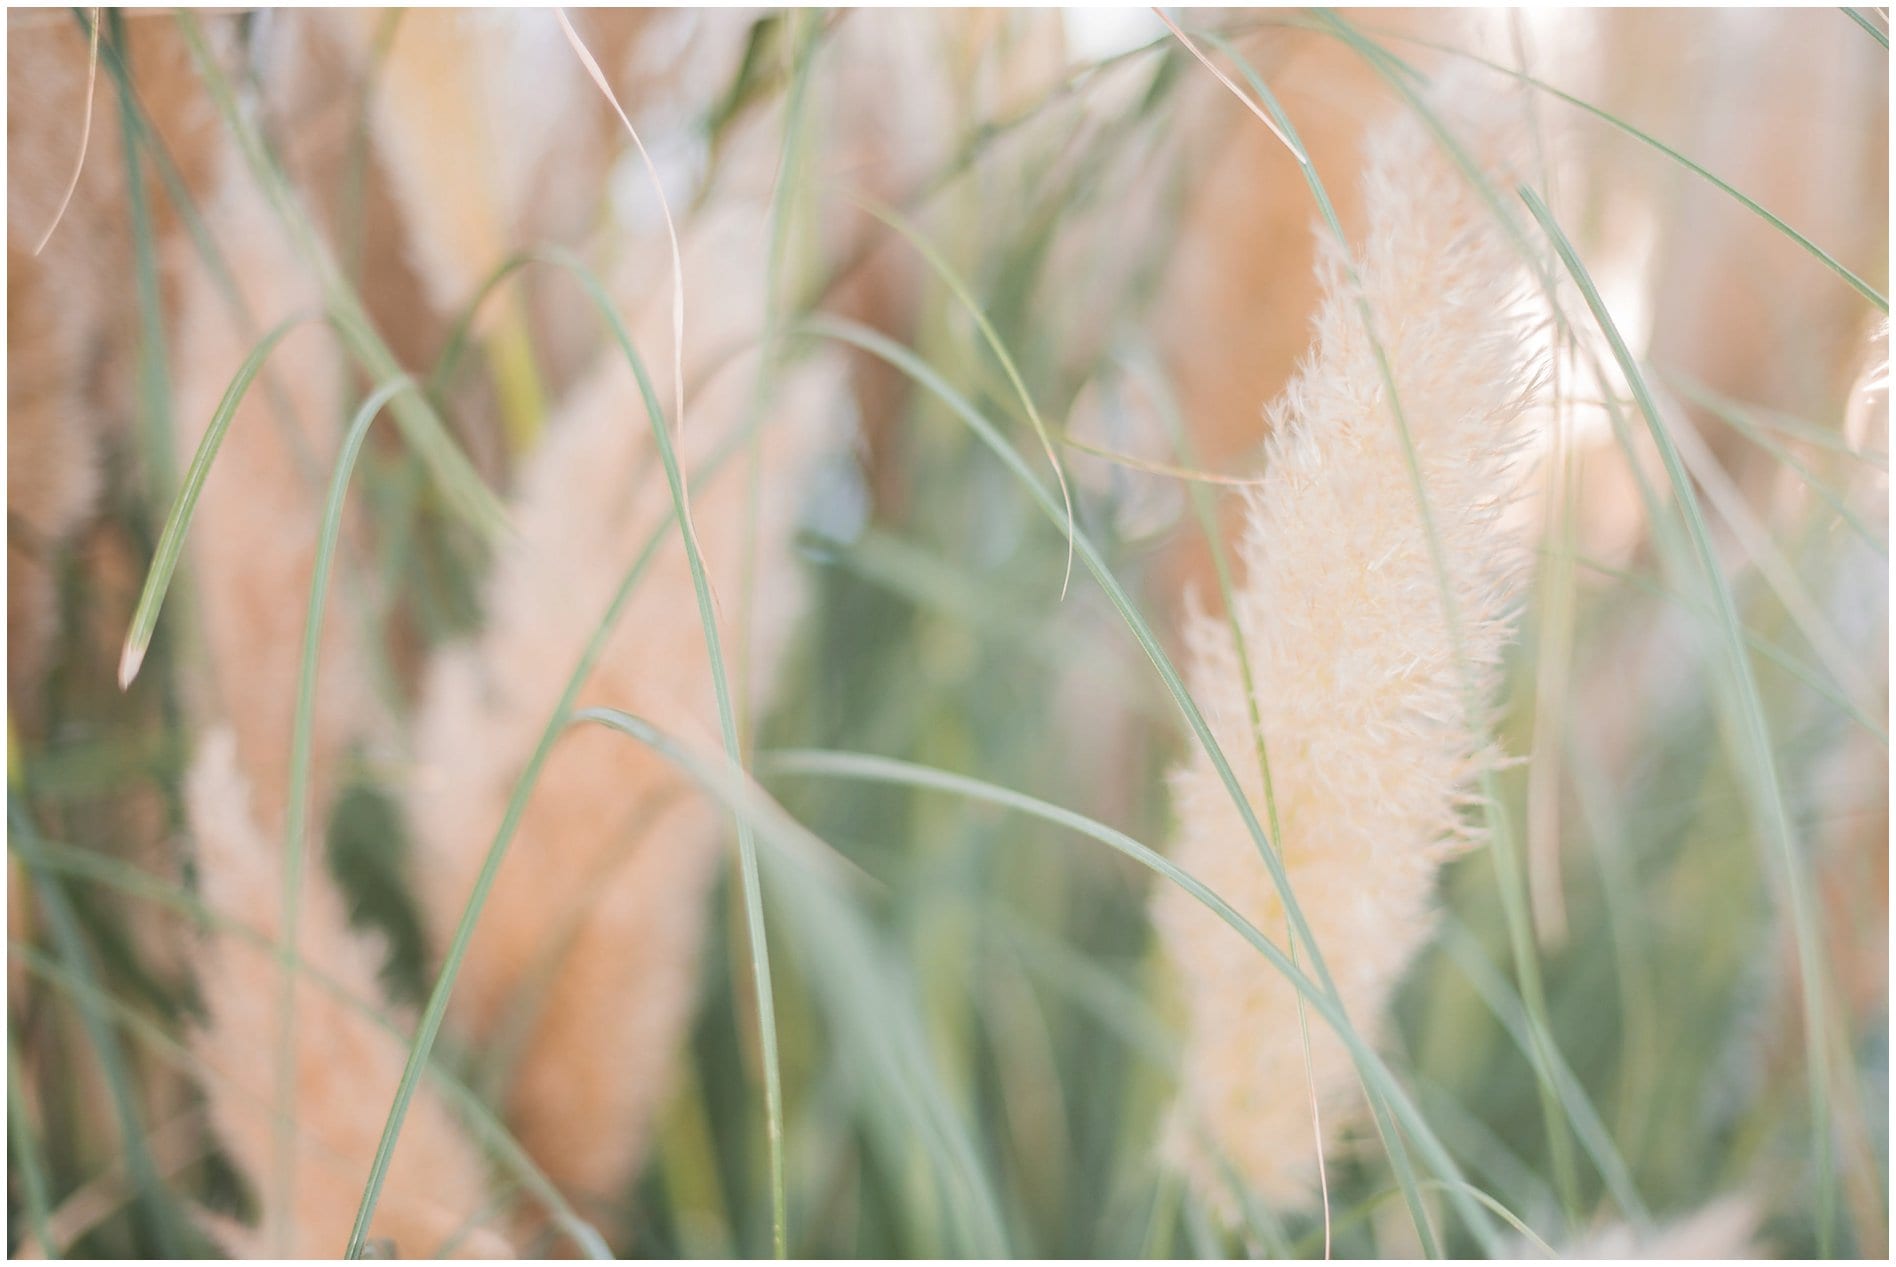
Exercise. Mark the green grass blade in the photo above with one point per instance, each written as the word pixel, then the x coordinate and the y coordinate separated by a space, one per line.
pixel 170 549
pixel 849 949
pixel 1856 15
pixel 26 1154
pixel 953 280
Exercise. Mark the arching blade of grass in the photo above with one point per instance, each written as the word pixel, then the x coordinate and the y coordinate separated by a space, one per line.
pixel 436 1008
pixel 1765 791
pixel 120 877
pixel 164 563
pixel 297 813
pixel 953 280
pixel 156 1212
pixel 901 358
pixel 25 1153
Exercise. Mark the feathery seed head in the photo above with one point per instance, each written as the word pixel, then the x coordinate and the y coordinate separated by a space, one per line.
pixel 1366 689
pixel 346 1065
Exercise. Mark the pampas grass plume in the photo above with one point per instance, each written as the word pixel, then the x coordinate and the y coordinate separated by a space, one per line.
pixel 1361 686
pixel 346 1066
pixel 582 972
pixel 253 541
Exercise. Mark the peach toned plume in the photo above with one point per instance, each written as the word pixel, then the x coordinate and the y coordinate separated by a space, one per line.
pixel 468 111
pixel 346 1065
pixel 581 977
pixel 72 315
pixel 252 545
pixel 1361 686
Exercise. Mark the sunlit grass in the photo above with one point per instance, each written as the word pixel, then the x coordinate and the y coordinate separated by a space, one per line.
pixel 947 822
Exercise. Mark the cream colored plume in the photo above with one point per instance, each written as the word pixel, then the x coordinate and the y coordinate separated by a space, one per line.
pixel 346 1066
pixel 1362 687
pixel 581 977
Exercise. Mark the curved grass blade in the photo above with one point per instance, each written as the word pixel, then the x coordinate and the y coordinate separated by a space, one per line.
pixel 297 814
pixel 164 563
pixel 865 767
pixel 1766 795
pixel 926 249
